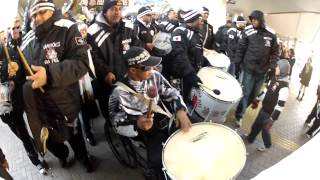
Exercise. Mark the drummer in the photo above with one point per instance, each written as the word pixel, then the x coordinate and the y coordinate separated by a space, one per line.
pixel 129 105
pixel 187 51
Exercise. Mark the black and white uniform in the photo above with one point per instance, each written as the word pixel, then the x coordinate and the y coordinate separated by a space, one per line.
pixel 127 106
pixel 274 98
pixel 108 46
pixel 144 32
pixel 58 46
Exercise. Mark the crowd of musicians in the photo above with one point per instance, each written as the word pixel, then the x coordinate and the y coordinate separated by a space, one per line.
pixel 143 89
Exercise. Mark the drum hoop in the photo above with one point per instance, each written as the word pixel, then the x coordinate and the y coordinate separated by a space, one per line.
pixel 165 169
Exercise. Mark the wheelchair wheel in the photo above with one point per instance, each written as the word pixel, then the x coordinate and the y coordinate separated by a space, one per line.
pixel 121 147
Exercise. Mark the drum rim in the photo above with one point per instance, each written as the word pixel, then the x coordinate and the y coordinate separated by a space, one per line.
pixel 165 169
pixel 215 68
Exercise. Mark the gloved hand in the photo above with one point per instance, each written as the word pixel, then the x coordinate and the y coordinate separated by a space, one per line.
pixel 192 80
pixel 255 104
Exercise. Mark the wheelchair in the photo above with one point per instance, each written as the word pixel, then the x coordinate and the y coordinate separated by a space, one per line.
pixel 130 153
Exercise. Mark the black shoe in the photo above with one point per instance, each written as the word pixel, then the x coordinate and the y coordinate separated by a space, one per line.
pixel 42 169
pixel 66 162
pixel 91 139
pixel 63 162
pixel 87 163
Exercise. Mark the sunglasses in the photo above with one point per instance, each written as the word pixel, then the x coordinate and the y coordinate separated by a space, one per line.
pixel 143 68
pixel 14 28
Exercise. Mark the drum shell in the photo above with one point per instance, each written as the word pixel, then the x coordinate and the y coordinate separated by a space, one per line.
pixel 210 108
pixel 211 105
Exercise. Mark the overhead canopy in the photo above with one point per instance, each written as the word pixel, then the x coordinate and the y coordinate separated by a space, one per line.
pixel 291 18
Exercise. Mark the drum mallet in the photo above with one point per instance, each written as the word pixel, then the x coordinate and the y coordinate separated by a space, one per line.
pixel 26 65
pixel 152 93
pixel 6 52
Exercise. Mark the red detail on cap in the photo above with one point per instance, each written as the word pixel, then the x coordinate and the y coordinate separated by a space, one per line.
pixel 195 101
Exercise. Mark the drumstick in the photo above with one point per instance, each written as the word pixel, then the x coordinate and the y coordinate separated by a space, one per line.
pixel 26 65
pixel 152 93
pixel 6 52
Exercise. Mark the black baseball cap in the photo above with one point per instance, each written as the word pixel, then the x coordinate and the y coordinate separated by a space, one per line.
pixel 139 56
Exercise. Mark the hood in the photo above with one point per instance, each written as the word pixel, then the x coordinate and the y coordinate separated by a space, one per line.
pixel 257 15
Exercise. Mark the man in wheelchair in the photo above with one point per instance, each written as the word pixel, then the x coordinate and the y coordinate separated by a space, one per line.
pixel 137 106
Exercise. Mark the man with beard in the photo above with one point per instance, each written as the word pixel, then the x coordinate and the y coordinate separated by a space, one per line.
pixel 58 57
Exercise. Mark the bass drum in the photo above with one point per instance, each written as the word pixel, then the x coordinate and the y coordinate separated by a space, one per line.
pixel 208 151
pixel 216 96
pixel 217 60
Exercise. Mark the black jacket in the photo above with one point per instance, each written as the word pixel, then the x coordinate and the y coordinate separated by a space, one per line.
pixel 108 46
pixel 168 26
pixel 19 78
pixel 209 40
pixel 257 49
pixel 233 41
pixel 222 38
pixel 144 33
pixel 57 45
pixel 187 51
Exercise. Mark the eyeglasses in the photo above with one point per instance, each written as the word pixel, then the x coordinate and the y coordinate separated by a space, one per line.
pixel 143 68
pixel 14 28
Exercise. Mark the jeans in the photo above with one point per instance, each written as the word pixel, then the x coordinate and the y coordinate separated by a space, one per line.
pixel 251 86
pixel 259 125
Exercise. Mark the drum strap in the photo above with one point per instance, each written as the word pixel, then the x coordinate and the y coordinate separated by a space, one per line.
pixel 155 107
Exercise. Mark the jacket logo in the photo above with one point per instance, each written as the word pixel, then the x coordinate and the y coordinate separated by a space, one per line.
pixel 125 45
pixel 267 43
pixel 51 56
pixel 51 45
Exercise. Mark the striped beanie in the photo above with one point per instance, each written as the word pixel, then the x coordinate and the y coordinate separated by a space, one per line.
pixel 144 11
pixel 40 5
pixel 191 16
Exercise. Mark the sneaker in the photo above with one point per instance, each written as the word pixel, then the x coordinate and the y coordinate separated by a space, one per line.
pixel 238 123
pixel 88 165
pixel 308 136
pixel 42 169
pixel 261 148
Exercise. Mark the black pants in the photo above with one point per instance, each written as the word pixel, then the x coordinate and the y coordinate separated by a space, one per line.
pixel 153 140
pixel 60 150
pixel 259 126
pixel 41 112
pixel 313 113
pixel 17 125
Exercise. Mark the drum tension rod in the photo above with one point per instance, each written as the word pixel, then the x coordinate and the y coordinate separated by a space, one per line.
pixel 199 137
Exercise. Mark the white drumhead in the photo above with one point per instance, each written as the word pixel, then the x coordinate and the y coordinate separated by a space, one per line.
pixel 208 151
pixel 219 84
pixel 215 59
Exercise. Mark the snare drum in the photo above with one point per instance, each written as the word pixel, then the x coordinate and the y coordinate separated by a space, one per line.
pixel 208 151
pixel 218 94
pixel 5 98
pixel 217 60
